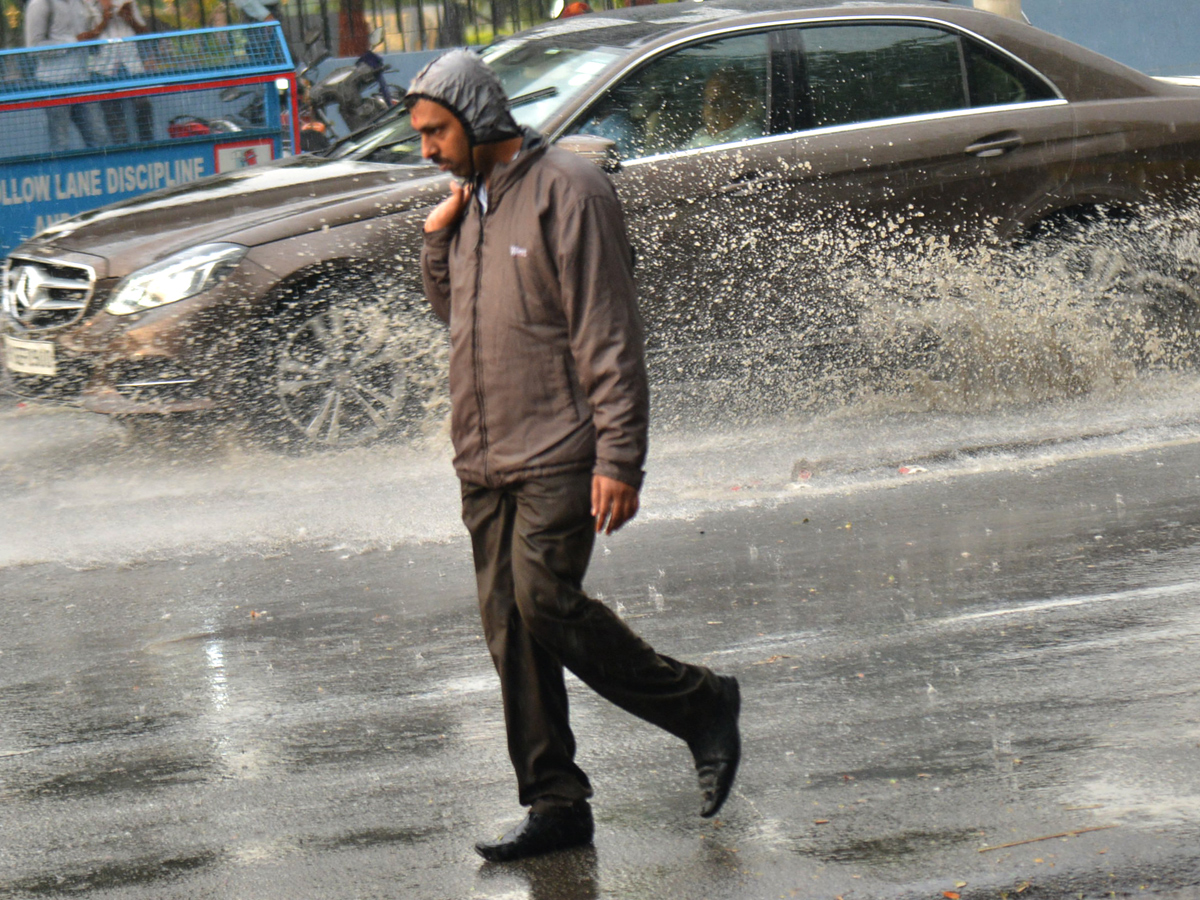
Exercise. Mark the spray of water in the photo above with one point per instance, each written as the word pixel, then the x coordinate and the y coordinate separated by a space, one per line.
pixel 879 349
pixel 841 316
pixel 1082 310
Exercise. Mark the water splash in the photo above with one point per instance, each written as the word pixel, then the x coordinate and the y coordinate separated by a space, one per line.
pixel 877 351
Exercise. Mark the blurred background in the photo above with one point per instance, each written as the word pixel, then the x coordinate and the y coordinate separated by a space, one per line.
pixel 1155 36
pixel 344 25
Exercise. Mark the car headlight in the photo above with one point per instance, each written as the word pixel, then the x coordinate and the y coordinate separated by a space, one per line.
pixel 175 278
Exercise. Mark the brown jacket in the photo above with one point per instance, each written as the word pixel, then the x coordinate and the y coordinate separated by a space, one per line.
pixel 547 368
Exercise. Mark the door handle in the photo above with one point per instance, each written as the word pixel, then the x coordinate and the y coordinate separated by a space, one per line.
pixel 747 184
pixel 995 145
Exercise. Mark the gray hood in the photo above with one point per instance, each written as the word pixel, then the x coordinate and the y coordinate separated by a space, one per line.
pixel 462 82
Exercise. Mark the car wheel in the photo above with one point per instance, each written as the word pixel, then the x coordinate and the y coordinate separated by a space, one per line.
pixel 352 372
pixel 1136 271
pixel 1148 303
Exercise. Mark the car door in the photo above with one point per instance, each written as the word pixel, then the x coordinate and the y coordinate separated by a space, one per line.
pixel 703 132
pixel 916 127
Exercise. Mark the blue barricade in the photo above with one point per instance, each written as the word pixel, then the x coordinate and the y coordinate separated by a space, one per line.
pixel 91 123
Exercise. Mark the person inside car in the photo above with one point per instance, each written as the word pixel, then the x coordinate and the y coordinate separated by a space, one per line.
pixel 731 112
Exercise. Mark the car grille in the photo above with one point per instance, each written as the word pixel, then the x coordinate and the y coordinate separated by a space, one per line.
pixel 39 294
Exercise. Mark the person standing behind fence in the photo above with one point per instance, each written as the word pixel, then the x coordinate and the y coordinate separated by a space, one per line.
pixel 50 23
pixel 120 60
pixel 257 10
pixel 261 11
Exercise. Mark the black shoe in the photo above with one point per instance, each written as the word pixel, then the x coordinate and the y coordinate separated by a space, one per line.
pixel 541 833
pixel 718 752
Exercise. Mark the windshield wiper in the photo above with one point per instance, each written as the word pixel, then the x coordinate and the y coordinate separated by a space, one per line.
pixel 520 100
pixel 378 119
pixel 533 96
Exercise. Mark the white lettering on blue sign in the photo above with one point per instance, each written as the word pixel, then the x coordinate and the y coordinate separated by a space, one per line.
pixel 153 175
pixel 44 222
pixel 85 183
pixel 31 189
pixel 77 184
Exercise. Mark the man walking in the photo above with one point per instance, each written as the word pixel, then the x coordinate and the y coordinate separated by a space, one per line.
pixel 529 263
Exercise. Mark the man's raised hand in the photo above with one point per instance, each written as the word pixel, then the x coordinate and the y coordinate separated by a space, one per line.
pixel 450 210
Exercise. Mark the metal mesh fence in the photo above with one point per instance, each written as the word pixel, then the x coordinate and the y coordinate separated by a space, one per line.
pixel 105 124
pixel 343 25
pixel 137 61
pixel 158 89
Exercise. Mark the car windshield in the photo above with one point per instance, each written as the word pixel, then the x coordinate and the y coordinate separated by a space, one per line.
pixel 539 76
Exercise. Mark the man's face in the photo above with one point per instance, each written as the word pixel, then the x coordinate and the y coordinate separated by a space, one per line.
pixel 443 139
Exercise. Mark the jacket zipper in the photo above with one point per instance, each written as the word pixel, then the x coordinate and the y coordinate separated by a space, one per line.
pixel 476 354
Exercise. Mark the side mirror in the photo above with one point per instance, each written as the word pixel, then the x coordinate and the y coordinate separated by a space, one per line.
pixel 376 37
pixel 600 150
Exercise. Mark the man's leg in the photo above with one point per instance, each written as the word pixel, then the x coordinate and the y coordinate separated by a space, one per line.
pixel 58 123
pixel 143 116
pixel 88 120
pixel 552 545
pixel 115 120
pixel 540 742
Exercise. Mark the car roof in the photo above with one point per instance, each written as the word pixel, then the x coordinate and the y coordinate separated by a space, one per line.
pixel 669 10
pixel 633 26
pixel 1077 73
pixel 680 9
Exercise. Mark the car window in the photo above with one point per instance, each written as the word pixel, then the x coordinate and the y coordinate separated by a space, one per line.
pixel 548 73
pixel 857 73
pixel 996 80
pixel 699 96
pixel 539 77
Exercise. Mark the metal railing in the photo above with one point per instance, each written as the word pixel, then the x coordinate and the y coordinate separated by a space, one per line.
pixel 95 122
pixel 342 24
pixel 153 59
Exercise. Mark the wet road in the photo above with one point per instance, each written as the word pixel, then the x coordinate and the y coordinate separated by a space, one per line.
pixel 934 666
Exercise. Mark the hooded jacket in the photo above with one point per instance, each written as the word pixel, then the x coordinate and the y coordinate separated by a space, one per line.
pixel 547 370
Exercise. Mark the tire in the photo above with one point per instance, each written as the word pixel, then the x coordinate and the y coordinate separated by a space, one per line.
pixel 1147 299
pixel 357 369
pixel 313 141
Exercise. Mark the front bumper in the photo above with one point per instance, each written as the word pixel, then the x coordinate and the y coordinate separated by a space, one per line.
pixel 110 383
pixel 175 359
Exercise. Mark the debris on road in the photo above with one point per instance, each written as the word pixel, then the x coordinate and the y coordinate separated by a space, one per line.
pixel 1049 837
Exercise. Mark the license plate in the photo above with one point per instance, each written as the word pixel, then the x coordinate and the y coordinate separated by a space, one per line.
pixel 29 357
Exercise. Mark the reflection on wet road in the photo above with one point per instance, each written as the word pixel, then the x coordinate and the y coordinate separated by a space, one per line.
pixel 995 648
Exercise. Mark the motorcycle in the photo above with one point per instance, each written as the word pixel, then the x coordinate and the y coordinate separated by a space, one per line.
pixel 313 126
pixel 344 88
pixel 249 116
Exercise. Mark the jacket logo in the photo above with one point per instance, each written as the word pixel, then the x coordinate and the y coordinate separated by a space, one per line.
pixel 518 251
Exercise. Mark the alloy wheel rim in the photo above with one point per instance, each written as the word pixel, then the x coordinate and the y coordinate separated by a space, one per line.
pixel 348 375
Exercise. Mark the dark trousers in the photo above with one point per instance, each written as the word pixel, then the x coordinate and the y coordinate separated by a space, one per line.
pixel 117 114
pixel 532 544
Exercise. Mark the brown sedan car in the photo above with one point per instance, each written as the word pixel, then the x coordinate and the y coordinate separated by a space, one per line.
pixel 736 131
